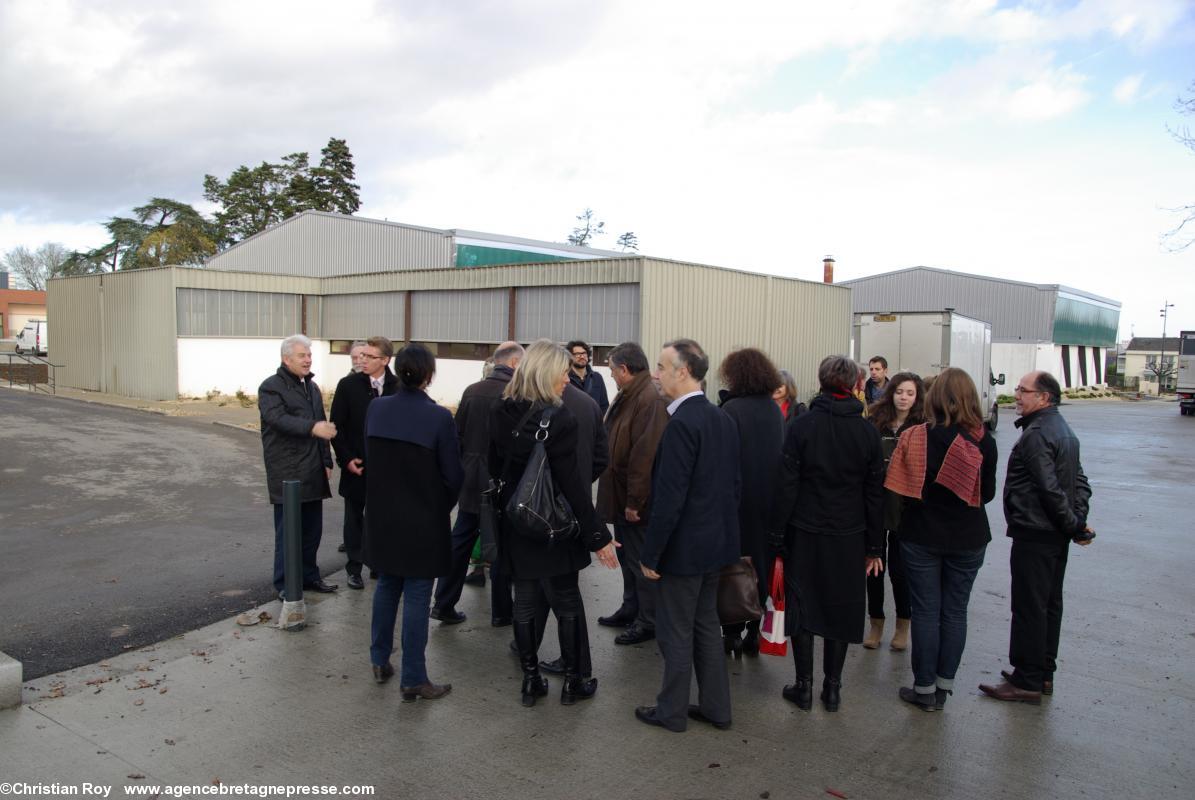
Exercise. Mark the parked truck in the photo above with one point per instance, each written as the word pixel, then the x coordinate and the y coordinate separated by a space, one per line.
pixel 927 342
pixel 34 338
pixel 1184 384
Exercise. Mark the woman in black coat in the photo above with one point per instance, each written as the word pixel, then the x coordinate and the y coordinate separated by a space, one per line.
pixel 828 521
pixel 750 379
pixel 411 484
pixel 537 386
pixel 897 410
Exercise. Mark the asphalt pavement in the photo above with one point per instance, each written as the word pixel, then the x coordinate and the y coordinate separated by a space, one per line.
pixel 121 528
pixel 257 706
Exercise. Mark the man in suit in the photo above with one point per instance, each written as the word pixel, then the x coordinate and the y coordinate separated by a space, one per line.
pixel 473 430
pixel 692 534
pixel 353 395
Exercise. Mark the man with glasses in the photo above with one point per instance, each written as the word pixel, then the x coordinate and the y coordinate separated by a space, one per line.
pixel 1046 498
pixel 353 396
pixel 582 375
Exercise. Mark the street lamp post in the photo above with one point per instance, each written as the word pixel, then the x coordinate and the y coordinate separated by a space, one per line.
pixel 1165 315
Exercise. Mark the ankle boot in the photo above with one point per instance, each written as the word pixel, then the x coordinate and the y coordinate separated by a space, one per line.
pixel 833 659
pixel 900 639
pixel 534 684
pixel 874 633
pixel 751 640
pixel 576 686
pixel 801 692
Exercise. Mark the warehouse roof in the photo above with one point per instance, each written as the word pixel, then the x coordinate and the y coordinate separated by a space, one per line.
pixel 1041 286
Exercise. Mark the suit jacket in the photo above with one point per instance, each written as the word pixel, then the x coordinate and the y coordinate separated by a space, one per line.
pixel 349 404
pixel 694 527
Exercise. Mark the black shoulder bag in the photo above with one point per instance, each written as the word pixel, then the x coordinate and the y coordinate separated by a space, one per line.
pixel 536 509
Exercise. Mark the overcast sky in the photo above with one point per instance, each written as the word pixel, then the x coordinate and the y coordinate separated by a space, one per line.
pixel 1027 141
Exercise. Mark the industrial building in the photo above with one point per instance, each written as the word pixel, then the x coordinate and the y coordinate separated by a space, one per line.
pixel 175 331
pixel 1035 326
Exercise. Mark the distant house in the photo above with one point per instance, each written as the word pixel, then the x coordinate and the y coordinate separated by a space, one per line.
pixel 1136 360
pixel 18 306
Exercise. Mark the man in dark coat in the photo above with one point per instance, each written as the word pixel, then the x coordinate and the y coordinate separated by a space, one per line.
pixel 877 382
pixel 692 534
pixel 294 440
pixel 473 431
pixel 582 375
pixel 349 405
pixel 635 422
pixel 1046 499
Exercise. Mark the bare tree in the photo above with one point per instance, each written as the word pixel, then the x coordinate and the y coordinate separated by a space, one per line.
pixel 1163 371
pixel 33 269
pixel 1182 235
pixel 588 228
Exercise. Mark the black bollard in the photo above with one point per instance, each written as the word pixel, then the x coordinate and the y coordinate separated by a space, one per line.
pixel 292 541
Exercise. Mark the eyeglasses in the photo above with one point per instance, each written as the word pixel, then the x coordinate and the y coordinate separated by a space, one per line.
pixel 1023 390
pixel 372 358
pixel 580 353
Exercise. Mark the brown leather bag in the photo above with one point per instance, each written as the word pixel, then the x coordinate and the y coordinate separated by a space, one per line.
pixel 738 593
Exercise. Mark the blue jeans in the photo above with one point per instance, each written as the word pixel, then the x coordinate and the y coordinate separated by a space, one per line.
pixel 311 526
pixel 940 584
pixel 415 608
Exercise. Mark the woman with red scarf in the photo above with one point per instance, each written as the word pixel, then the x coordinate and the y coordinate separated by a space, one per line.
pixel 946 470
pixel 827 521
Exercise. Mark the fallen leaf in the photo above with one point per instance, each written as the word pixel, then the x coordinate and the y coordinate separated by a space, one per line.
pixel 162 690
pixel 137 776
pixel 264 616
pixel 170 742
pixel 98 681
pixel 715 765
pixel 215 781
pixel 138 702
pixel 836 793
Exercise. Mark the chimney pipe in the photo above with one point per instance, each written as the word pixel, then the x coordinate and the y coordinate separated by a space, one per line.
pixel 828 269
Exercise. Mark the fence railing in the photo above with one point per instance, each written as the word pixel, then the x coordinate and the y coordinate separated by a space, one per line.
pixel 32 369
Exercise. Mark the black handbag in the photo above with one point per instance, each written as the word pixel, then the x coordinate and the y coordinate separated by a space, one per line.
pixel 536 509
pixel 738 593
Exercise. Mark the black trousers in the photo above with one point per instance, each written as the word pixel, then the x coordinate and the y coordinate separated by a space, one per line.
pixel 354 529
pixel 643 591
pixel 894 566
pixel 449 588
pixel 1038 569
pixel 561 594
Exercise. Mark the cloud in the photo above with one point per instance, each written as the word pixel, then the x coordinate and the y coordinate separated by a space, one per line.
pixel 1126 90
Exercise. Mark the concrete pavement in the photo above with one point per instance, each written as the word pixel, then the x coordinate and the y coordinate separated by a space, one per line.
pixel 260 706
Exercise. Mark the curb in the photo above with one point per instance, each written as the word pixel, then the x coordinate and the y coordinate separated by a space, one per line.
pixel 11 674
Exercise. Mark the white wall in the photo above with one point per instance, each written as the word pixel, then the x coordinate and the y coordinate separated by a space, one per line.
pixel 227 365
pixel 1015 359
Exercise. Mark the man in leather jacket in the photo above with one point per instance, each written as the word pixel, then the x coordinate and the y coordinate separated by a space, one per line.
pixel 1046 499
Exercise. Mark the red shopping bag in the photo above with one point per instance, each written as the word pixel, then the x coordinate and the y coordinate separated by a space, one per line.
pixel 772 640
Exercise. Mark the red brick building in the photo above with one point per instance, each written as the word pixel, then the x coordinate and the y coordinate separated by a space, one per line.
pixel 18 306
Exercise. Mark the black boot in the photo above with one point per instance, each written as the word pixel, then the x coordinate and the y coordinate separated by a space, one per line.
pixel 751 640
pixel 534 684
pixel 833 658
pixel 801 692
pixel 576 686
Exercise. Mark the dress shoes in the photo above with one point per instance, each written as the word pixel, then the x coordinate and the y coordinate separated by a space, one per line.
pixel 636 634
pixel 383 673
pixel 447 616
pixel 1047 687
pixel 501 622
pixel 555 667
pixel 475 578
pixel 355 582
pixel 425 691
pixel 1011 693
pixel 619 619
pixel 322 586
pixel 926 702
pixel 647 715
pixel 695 714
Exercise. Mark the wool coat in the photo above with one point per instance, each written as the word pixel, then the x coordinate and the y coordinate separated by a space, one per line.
pixel 412 483
pixel 760 427
pixel 473 430
pixel 353 395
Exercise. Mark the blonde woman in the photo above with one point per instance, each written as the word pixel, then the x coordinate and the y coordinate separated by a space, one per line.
pixel 536 387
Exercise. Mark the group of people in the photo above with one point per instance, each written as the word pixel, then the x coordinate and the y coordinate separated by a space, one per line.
pixel 842 491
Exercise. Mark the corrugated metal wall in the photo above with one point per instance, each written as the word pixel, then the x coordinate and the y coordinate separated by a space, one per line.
pixel 359 316
pixel 1018 312
pixel 116 333
pixel 319 245
pixel 797 323
pixel 232 314
pixel 600 315
pixel 562 273
pixel 460 316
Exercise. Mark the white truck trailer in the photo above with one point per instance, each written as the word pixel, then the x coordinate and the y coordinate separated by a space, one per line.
pixel 927 342
pixel 1185 378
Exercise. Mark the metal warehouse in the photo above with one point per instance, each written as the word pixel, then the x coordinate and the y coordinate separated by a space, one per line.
pixel 175 331
pixel 1048 327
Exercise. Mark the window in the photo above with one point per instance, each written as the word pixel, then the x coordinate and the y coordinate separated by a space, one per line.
pixel 215 312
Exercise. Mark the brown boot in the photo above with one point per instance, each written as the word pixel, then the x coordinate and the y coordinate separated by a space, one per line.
pixel 874 634
pixel 900 638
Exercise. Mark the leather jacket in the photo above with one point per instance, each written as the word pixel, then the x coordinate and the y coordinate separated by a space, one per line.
pixel 1045 490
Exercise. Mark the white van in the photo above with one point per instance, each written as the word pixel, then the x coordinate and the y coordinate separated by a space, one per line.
pixel 35 338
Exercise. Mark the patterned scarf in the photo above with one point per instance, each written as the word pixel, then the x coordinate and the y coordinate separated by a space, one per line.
pixel 959 473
